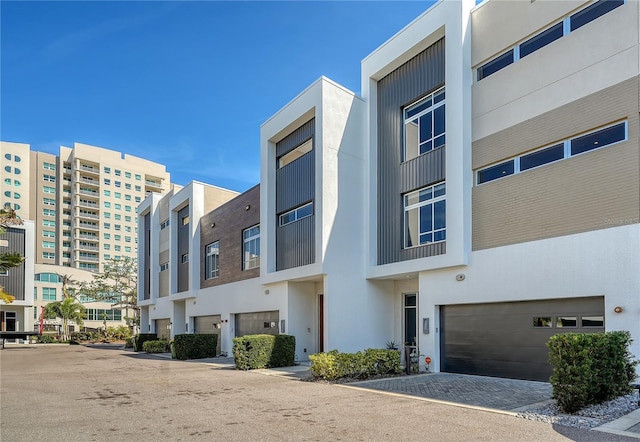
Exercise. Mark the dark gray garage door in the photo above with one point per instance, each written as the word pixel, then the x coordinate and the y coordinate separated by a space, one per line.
pixel 209 325
pixel 257 323
pixel 509 339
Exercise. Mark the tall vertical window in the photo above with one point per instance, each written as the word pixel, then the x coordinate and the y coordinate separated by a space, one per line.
pixel 251 248
pixel 424 125
pixel 425 216
pixel 212 261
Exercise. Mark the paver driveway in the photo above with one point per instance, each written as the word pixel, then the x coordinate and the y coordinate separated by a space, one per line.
pixel 481 391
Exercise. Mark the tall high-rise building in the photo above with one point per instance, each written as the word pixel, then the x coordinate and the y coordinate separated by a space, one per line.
pixel 83 205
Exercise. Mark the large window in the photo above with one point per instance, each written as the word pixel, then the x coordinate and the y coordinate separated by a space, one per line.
pixel 48 293
pixel 94 314
pixel 424 125
pixel 425 216
pixel 212 261
pixel 251 248
pixel 296 214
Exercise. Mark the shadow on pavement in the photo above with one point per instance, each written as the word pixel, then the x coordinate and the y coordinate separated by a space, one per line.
pixel 582 435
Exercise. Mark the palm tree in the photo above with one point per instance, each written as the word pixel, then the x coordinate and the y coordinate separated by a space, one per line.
pixel 67 309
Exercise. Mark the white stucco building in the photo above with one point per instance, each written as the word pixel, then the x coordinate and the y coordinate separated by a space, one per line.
pixel 481 194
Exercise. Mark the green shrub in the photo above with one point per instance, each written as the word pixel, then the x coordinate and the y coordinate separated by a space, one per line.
pixel 46 339
pixel 590 368
pixel 195 346
pixel 119 333
pixel 129 342
pixel 139 339
pixel 264 351
pixel 159 346
pixel 361 365
pixel 86 336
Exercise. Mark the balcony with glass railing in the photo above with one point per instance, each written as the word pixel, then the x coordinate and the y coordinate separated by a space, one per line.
pixel 89 169
pixel 87 257
pixel 88 226
pixel 88 236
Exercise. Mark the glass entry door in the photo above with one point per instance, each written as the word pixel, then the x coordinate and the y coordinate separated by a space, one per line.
pixel 410 319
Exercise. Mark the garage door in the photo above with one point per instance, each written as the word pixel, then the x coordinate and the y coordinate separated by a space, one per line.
pixel 509 339
pixel 163 328
pixel 209 325
pixel 257 323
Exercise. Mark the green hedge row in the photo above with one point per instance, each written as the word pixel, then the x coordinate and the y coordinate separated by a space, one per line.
pixel 264 351
pixel 159 346
pixel 361 365
pixel 139 339
pixel 590 368
pixel 195 346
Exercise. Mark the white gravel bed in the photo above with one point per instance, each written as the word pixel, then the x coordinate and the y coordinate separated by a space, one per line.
pixel 590 417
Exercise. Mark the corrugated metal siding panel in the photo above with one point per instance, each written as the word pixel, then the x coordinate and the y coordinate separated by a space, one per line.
pixel 296 138
pixel 14 283
pixel 414 79
pixel 423 171
pixel 295 183
pixel 295 244
pixel 423 251
pixel 183 247
pixel 147 255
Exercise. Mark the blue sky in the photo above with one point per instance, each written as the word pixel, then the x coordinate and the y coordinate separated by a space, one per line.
pixel 186 84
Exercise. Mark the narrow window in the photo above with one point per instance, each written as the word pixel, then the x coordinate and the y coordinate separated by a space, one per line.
pixel 600 138
pixel 541 40
pixel 251 248
pixel 592 321
pixel 425 216
pixel 296 153
pixel 296 214
pixel 493 66
pixel 212 261
pixel 542 321
pixel 544 156
pixel 593 11
pixel 566 321
pixel 495 172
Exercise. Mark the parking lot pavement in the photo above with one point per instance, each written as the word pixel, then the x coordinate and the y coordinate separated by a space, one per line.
pixel 478 391
pixel 79 393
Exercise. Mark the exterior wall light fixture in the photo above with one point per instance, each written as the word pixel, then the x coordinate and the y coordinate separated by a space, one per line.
pixel 618 309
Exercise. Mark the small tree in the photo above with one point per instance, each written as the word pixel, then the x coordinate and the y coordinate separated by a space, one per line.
pixel 8 260
pixel 69 309
pixel 118 283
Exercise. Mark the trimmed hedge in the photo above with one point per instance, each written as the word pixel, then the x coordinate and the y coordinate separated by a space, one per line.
pixel 159 346
pixel 139 339
pixel 361 365
pixel 86 336
pixel 590 368
pixel 195 346
pixel 264 351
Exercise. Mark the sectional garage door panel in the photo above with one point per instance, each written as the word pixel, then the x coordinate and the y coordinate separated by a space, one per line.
pixel 257 323
pixel 209 325
pixel 501 339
